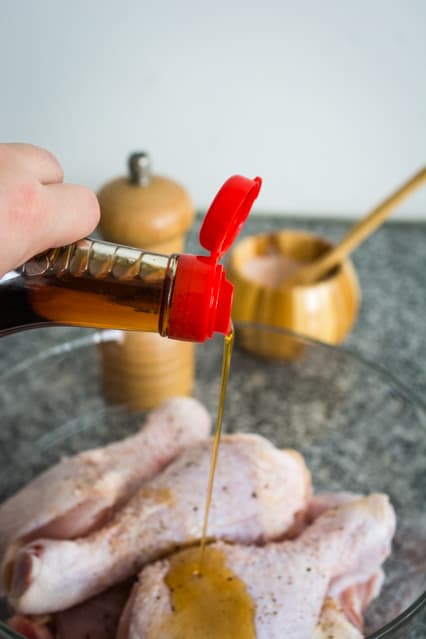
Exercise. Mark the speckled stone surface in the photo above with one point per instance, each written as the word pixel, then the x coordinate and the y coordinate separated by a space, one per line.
pixel 318 411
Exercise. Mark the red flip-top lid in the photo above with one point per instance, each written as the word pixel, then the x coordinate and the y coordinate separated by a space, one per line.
pixel 227 214
pixel 202 296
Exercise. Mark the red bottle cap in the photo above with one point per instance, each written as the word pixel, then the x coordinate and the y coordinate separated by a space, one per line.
pixel 202 296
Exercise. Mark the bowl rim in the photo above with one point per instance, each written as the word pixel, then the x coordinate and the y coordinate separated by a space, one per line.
pixel 100 336
pixel 345 350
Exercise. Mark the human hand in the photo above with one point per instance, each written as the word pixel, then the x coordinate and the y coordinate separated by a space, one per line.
pixel 37 210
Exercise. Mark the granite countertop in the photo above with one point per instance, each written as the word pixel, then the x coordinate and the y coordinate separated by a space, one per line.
pixel 391 327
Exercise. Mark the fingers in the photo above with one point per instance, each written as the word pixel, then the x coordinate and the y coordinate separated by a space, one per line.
pixel 40 217
pixel 39 162
pixel 38 211
pixel 72 212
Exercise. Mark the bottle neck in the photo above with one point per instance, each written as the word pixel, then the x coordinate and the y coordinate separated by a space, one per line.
pixel 94 284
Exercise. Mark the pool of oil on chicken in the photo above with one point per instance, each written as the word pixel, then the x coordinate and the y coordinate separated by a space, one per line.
pixel 207 599
pixel 212 603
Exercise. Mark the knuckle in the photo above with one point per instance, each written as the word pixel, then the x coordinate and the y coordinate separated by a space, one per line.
pixel 47 159
pixel 54 162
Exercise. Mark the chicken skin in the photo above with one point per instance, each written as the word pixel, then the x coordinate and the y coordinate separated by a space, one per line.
pixel 354 592
pixel 77 494
pixel 278 590
pixel 258 494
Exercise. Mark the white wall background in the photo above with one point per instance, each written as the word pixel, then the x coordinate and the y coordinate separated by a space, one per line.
pixel 326 99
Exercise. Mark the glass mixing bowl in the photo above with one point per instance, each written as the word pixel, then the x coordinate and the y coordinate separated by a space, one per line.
pixel 357 426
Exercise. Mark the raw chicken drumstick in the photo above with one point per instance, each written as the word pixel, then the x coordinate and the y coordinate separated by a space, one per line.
pixel 258 493
pixel 74 496
pixel 279 589
pixel 98 617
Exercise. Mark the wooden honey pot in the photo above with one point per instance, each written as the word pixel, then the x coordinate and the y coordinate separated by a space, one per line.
pixel 325 310
pixel 152 213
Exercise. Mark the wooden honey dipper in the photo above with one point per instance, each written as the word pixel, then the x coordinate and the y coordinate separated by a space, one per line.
pixel 315 270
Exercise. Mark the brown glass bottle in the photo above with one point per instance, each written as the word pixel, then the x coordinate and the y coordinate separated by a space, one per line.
pixel 90 283
pixel 97 284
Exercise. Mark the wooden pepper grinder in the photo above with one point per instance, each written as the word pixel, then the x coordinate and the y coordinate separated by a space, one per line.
pixel 152 213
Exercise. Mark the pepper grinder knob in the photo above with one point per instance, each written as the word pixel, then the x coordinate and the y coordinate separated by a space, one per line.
pixel 139 165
